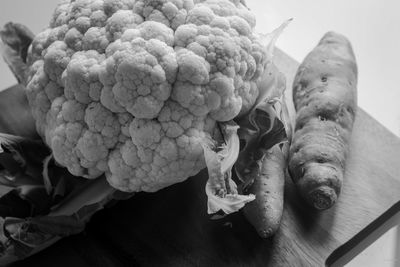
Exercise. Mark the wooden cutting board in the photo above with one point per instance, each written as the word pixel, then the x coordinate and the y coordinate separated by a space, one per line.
pixel 171 227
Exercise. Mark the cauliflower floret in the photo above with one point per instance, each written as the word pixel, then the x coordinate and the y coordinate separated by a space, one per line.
pixel 81 77
pixel 131 89
pixel 102 120
pixel 141 81
pixel 95 39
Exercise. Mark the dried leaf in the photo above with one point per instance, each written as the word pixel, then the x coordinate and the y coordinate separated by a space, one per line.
pixel 221 190
pixel 269 39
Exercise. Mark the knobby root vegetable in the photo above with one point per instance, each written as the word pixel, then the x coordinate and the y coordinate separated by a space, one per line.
pixel 325 98
pixel 265 212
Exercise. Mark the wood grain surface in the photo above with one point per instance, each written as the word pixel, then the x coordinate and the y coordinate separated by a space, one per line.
pixel 172 228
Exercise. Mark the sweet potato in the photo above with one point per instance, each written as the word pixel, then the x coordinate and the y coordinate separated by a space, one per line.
pixel 325 98
pixel 265 212
pixel 262 163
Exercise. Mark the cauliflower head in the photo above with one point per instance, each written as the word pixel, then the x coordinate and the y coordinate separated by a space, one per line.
pixel 131 89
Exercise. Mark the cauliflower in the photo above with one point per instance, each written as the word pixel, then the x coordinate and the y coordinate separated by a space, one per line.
pixel 132 89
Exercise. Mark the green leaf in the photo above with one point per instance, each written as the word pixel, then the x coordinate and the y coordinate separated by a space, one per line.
pixel 37 213
pixel 16 39
pixel 21 170
pixel 37 197
pixel 58 225
pixel 21 160
pixel 12 205
pixel 24 232
pixel 15 116
pixel 91 192
pixel 265 126
pixel 22 237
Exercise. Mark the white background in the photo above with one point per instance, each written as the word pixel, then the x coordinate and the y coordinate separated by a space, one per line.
pixel 372 26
